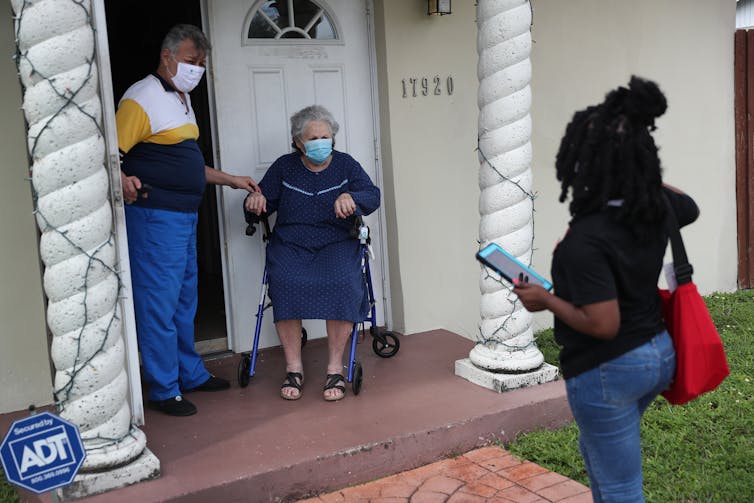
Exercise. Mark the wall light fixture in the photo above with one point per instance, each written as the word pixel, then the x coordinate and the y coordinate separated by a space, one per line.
pixel 438 7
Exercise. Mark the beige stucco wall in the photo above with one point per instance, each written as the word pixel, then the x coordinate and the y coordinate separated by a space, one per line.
pixel 584 48
pixel 430 165
pixel 24 368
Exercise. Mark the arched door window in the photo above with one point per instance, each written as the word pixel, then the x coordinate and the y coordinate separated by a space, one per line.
pixel 290 19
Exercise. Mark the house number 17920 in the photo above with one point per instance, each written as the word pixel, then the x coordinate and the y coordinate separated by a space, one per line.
pixel 426 86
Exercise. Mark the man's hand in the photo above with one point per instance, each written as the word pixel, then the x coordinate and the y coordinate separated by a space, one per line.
pixel 244 182
pixel 131 186
pixel 344 205
pixel 255 203
pixel 217 177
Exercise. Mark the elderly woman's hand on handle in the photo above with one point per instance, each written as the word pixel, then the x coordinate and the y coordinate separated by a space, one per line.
pixel 344 205
pixel 255 203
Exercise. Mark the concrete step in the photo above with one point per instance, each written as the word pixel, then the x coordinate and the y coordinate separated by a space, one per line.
pixel 249 445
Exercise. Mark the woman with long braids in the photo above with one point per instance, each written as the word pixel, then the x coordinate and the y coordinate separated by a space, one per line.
pixel 616 355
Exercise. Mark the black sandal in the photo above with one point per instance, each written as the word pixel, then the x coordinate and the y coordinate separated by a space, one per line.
pixel 333 382
pixel 293 380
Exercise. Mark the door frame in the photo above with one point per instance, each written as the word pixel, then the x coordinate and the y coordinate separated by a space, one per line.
pixel 233 343
pixel 375 97
pixel 112 161
pixel 229 327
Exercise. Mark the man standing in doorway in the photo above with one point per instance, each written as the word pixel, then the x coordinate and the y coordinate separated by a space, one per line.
pixel 163 176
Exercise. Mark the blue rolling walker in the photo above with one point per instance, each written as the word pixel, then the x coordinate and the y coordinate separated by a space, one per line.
pixel 384 343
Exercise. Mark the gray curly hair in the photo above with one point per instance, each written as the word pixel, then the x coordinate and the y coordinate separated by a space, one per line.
pixel 300 119
pixel 181 32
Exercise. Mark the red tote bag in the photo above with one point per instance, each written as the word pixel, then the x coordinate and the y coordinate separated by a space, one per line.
pixel 700 358
pixel 701 364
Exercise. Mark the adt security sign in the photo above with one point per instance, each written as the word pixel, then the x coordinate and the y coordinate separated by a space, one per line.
pixel 42 452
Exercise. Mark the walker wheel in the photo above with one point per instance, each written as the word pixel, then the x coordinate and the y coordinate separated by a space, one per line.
pixel 244 366
pixel 385 344
pixel 358 376
pixel 304 337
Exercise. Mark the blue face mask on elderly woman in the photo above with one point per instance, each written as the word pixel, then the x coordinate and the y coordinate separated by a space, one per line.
pixel 318 150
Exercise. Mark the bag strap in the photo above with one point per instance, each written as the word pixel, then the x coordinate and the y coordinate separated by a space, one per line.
pixel 683 270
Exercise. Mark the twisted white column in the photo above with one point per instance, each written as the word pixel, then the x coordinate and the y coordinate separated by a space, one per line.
pixel 505 179
pixel 56 56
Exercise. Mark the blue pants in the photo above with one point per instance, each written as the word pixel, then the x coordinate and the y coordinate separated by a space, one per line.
pixel 607 403
pixel 162 249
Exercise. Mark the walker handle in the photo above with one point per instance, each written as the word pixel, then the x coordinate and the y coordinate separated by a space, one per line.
pixel 360 230
pixel 252 220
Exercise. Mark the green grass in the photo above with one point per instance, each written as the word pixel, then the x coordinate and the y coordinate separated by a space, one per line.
pixel 7 493
pixel 700 452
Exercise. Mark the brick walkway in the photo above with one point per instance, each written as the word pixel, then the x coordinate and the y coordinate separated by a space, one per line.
pixel 489 474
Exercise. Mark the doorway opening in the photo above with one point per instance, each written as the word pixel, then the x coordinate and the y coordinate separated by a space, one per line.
pixel 135 31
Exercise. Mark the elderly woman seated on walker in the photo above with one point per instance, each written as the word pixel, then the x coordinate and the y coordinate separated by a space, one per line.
pixel 313 262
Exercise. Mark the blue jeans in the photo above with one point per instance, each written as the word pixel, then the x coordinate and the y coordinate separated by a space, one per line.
pixel 607 403
pixel 162 250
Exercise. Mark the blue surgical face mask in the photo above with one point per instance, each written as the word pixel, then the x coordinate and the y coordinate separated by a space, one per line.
pixel 318 150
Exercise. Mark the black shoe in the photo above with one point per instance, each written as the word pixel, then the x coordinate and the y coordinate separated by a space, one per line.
pixel 211 384
pixel 176 406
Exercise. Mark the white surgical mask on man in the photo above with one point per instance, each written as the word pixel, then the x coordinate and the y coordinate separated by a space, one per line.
pixel 187 77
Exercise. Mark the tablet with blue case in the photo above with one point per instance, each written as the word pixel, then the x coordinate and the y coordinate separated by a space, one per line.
pixel 497 259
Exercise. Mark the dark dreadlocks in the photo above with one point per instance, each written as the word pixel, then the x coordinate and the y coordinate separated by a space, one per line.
pixel 608 153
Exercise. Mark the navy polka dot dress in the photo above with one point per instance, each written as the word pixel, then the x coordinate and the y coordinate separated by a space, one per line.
pixel 313 264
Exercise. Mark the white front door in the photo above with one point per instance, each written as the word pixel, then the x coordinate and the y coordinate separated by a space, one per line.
pixel 269 60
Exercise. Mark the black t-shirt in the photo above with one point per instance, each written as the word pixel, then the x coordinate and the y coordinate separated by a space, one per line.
pixel 600 259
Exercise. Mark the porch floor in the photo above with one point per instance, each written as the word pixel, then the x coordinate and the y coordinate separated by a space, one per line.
pixel 247 444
